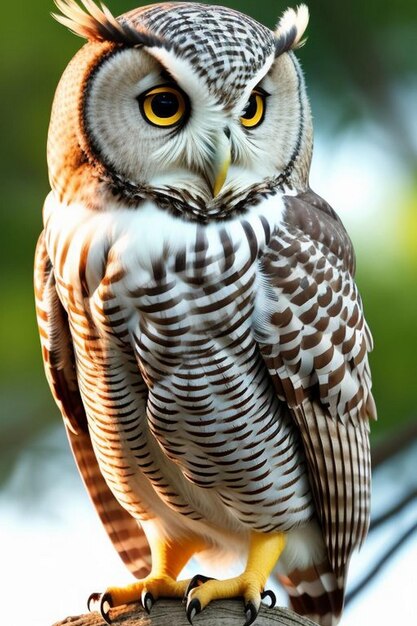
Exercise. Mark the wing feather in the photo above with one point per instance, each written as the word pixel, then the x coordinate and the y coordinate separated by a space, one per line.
pixel 316 345
pixel 124 531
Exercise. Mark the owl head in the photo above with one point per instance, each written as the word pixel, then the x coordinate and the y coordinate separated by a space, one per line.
pixel 199 108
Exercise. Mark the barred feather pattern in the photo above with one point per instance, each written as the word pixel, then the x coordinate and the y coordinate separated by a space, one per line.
pixel 124 530
pixel 317 336
pixel 316 591
pixel 172 381
pixel 315 345
pixel 224 29
pixel 169 323
pixel 340 472
pixel 178 25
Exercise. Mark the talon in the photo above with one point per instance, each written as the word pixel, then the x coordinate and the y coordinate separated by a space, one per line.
pixel 147 601
pixel 105 599
pixel 93 598
pixel 196 581
pixel 193 608
pixel 271 595
pixel 251 613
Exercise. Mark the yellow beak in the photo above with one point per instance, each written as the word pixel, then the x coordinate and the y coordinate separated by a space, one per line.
pixel 220 165
pixel 221 174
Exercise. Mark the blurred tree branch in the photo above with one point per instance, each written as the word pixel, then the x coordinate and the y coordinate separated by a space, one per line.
pixel 393 511
pixel 380 564
pixel 384 453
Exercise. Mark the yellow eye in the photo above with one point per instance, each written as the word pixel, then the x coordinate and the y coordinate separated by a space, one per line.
pixel 254 111
pixel 163 106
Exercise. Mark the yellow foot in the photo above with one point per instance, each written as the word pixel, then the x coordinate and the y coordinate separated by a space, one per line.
pixel 264 551
pixel 168 558
pixel 202 590
pixel 146 591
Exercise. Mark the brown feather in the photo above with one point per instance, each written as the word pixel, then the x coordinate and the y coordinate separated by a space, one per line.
pixel 124 531
pixel 324 376
pixel 338 458
pixel 316 593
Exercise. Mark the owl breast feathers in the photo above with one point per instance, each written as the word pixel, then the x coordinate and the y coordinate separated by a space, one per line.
pixel 201 329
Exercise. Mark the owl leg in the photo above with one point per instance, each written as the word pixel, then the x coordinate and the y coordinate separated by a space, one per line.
pixel 264 552
pixel 169 556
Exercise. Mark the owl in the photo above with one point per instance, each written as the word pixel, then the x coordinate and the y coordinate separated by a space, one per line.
pixel 200 325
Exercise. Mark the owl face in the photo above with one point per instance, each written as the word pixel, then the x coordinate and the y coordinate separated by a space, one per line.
pixel 195 101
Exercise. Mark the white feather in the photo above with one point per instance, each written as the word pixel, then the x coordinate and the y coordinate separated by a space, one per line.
pixel 304 547
pixel 291 18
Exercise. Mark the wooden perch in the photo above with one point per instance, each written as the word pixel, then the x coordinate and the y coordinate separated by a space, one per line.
pixel 172 613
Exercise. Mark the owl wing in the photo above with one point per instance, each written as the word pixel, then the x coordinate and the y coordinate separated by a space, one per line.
pixel 315 346
pixel 124 531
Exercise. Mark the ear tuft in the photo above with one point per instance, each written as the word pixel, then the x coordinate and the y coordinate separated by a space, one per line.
pixel 291 28
pixel 96 23
pixel 90 22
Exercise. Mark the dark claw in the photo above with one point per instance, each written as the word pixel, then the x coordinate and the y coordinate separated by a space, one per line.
pixel 196 581
pixel 147 601
pixel 105 599
pixel 271 595
pixel 251 613
pixel 93 598
pixel 101 600
pixel 193 608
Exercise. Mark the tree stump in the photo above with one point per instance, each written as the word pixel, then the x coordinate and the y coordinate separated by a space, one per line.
pixel 172 613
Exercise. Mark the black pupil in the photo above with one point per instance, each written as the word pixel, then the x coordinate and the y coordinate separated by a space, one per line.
pixel 165 104
pixel 250 109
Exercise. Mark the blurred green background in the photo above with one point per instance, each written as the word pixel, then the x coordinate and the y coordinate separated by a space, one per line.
pixel 360 63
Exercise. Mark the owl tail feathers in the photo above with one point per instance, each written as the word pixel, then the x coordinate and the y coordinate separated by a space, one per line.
pixel 316 593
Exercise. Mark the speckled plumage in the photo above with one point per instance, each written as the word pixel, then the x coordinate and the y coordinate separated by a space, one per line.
pixel 209 354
